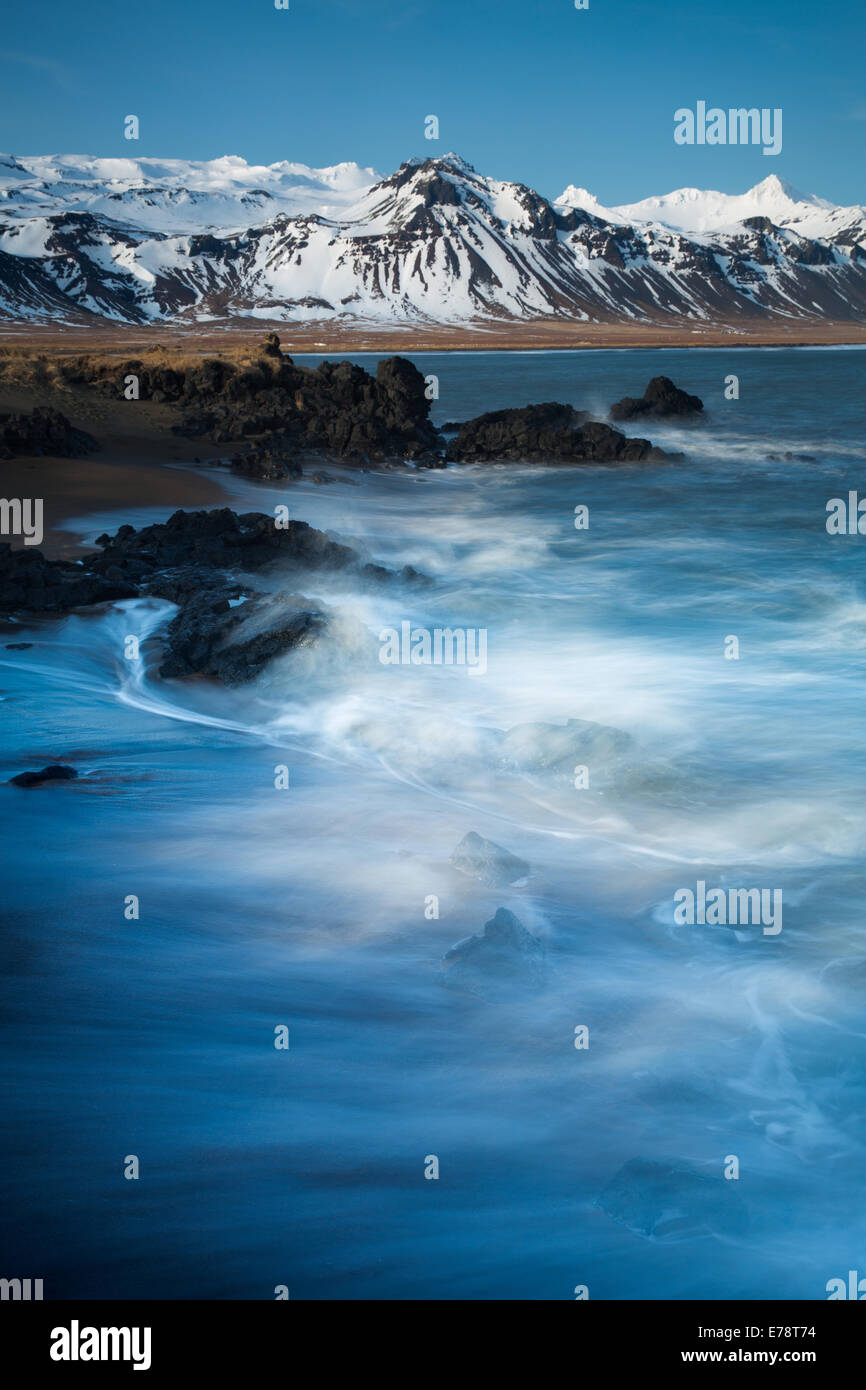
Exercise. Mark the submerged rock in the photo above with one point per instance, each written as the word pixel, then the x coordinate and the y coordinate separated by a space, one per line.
pixel 661 398
pixel 671 1201
pixel 504 951
pixel 549 433
pixel 269 463
pixel 54 772
pixel 42 432
pixel 584 755
pixel 559 748
pixel 488 862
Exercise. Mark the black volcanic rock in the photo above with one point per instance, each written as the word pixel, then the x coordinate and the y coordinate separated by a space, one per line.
pixel 268 463
pixel 42 432
pixel 219 539
pixel 661 398
pixel 549 433
pixel 337 407
pixel 55 772
pixel 222 630
pixel 209 637
pixel 31 583
pixel 174 559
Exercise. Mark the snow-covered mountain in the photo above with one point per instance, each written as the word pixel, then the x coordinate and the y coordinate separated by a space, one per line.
pixel 176 195
pixel 695 210
pixel 141 240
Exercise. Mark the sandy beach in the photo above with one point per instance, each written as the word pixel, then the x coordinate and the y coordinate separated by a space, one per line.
pixel 140 463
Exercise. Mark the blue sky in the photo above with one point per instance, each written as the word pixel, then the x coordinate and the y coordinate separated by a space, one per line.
pixel 534 91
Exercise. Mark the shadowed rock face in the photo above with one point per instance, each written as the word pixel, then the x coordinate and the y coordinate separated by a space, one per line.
pixel 42 433
pixel 549 433
pixel 671 1201
pixel 488 862
pixel 661 398
pixel 505 952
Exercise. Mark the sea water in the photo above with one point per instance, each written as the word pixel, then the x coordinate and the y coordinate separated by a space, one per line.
pixel 322 899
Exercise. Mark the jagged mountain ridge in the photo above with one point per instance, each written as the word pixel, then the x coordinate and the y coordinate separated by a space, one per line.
pixel 433 242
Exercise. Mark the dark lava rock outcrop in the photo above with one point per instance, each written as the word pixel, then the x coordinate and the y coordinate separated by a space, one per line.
pixel 661 398
pixel 549 433
pixel 42 433
pixel 285 412
pixel 223 629
pixel 232 644
pixel 219 539
pixel 170 559
pixel 269 463
pixel 30 583
pixel 337 406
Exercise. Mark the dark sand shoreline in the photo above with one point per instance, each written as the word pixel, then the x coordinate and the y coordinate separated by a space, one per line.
pixel 144 466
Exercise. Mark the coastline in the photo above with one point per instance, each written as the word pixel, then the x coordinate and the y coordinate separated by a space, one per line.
pixel 143 463
pixel 530 335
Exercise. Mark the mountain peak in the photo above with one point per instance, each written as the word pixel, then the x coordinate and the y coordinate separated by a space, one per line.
pixel 441 163
pixel 456 161
pixel 774 187
pixel 575 197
